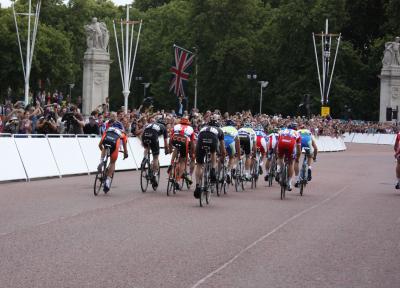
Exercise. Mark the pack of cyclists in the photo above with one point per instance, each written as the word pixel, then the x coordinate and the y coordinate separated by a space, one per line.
pixel 227 141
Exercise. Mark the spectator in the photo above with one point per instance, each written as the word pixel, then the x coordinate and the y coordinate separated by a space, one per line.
pixel 91 127
pixel 47 124
pixel 73 121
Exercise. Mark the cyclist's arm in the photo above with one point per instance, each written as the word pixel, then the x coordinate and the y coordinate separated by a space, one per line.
pixel 314 144
pixel 101 141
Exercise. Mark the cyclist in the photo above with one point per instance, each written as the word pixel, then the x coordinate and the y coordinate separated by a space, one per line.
pixel 182 135
pixel 272 140
pixel 232 146
pixel 112 136
pixel 288 146
pixel 397 156
pixel 150 140
pixel 307 141
pixel 247 138
pixel 213 137
pixel 261 141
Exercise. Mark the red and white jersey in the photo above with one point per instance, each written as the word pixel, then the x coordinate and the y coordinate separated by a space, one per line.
pixel 289 135
pixel 272 140
pixel 183 130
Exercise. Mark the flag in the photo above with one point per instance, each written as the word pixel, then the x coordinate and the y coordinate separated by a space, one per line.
pixel 181 68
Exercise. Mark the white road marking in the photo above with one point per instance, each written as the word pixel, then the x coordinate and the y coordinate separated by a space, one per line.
pixel 234 258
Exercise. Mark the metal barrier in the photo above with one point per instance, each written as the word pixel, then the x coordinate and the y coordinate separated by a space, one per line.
pixel 365 138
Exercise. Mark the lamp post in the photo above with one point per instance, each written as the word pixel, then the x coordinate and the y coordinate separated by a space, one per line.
pixel 145 86
pixel 71 86
pixel 251 76
pixel 263 84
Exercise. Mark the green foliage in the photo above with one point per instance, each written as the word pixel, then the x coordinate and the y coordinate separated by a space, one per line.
pixel 232 37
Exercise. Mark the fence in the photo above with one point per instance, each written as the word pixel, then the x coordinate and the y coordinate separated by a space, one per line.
pixel 365 138
pixel 25 157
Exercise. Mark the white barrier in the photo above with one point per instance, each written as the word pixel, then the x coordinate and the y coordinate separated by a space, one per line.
pixel 388 139
pixel 39 156
pixel 68 155
pixel 365 138
pixel 11 167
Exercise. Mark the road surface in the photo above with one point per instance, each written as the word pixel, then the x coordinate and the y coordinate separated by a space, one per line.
pixel 344 232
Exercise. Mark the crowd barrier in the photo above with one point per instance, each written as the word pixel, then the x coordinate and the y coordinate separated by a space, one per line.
pixel 25 157
pixel 365 138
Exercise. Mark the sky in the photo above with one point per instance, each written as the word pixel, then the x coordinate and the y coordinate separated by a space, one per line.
pixel 7 3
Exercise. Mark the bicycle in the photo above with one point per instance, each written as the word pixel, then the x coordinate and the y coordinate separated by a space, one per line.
pixel 272 170
pixel 101 175
pixel 284 178
pixel 303 177
pixel 255 170
pixel 239 175
pixel 206 185
pixel 221 178
pixel 146 170
pixel 173 174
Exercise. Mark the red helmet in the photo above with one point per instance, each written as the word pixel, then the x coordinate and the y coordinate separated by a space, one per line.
pixel 185 121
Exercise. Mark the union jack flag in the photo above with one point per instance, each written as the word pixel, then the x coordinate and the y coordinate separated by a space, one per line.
pixel 180 70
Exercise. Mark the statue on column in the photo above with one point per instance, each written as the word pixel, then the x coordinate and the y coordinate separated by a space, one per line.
pixel 97 35
pixel 391 56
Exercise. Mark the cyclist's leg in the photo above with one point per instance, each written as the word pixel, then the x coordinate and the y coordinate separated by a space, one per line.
pixel 200 153
pixel 111 166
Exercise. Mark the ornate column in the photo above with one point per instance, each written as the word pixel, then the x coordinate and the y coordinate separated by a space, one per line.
pixel 96 67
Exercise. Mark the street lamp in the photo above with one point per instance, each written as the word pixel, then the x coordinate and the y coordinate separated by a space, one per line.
pixel 263 84
pixel 145 86
pixel 251 76
pixel 71 86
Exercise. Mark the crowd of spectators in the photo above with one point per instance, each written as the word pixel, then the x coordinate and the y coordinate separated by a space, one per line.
pixel 54 114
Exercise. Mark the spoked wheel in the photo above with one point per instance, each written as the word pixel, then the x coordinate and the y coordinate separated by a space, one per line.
pixel 283 179
pixel 224 183
pixel 210 190
pixel 302 185
pixel 271 176
pixel 98 183
pixel 219 183
pixel 254 177
pixel 237 183
pixel 144 176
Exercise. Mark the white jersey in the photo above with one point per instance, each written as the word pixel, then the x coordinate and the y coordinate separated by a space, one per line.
pixel 184 130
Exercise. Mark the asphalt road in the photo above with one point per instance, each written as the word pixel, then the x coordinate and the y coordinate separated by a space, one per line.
pixel 344 232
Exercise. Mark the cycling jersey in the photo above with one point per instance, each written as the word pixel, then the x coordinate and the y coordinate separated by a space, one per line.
pixel 230 135
pixel 209 136
pixel 247 138
pixel 112 137
pixel 306 140
pixel 150 136
pixel 261 141
pixel 287 141
pixel 181 136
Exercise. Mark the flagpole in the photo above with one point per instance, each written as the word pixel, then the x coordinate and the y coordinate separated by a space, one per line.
pixel 183 49
pixel 195 81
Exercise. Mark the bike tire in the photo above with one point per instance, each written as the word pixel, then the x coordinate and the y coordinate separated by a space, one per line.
pixel 144 176
pixel 171 182
pixel 158 180
pixel 301 188
pixel 283 182
pixel 98 183
pixel 218 184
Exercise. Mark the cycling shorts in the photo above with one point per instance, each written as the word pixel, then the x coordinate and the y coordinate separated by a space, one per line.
pixel 261 145
pixel 246 144
pixel 230 145
pixel 182 143
pixel 150 140
pixel 286 147
pixel 113 140
pixel 206 139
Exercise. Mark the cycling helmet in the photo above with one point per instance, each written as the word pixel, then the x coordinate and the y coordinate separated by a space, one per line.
pixel 247 125
pixel 293 126
pixel 230 122
pixel 118 125
pixel 259 127
pixel 184 121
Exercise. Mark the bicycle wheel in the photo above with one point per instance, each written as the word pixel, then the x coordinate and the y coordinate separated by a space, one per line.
pixel 219 184
pixel 98 183
pixel 203 185
pixel 242 176
pixel 224 183
pixel 144 175
pixel 171 181
pixel 254 176
pixel 283 183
